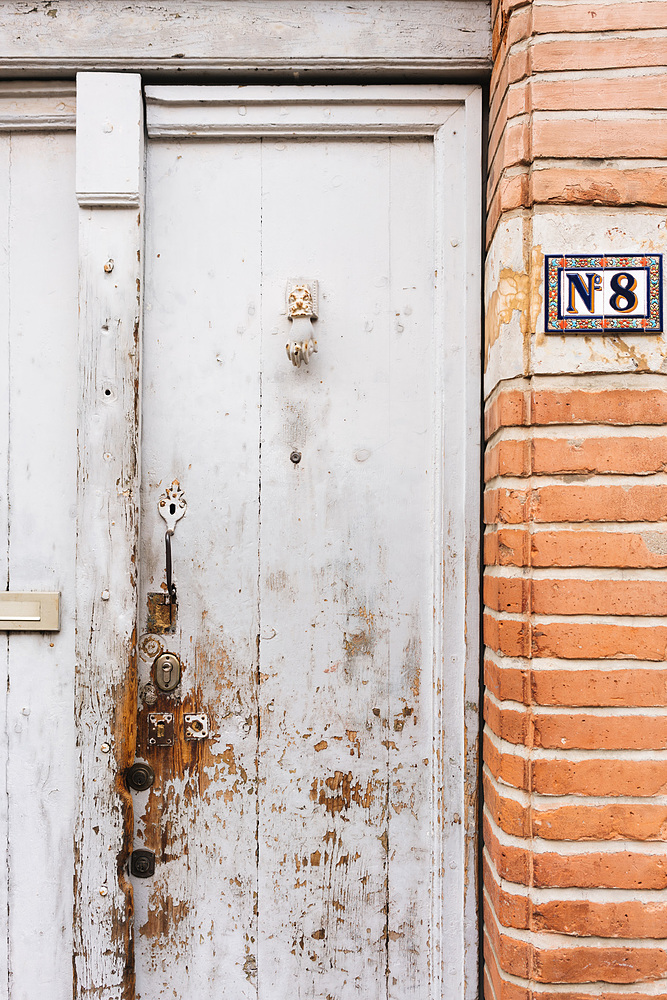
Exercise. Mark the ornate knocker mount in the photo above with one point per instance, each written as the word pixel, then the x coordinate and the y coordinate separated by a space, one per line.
pixel 302 296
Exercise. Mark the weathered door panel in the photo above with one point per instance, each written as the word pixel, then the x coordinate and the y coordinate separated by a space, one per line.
pixel 300 847
pixel 346 572
pixel 38 793
pixel 196 920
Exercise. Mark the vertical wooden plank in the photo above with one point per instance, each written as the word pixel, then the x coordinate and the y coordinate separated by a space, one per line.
pixel 472 376
pixel 346 575
pixel 201 426
pixel 407 520
pixel 5 190
pixel 456 499
pixel 109 190
pixel 41 769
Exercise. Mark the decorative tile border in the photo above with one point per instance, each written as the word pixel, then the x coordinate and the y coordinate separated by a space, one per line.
pixel 603 294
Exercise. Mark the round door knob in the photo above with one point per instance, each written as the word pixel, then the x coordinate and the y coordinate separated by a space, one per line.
pixel 140 777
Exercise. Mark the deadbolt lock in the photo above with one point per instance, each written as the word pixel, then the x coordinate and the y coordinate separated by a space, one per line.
pixel 142 863
pixel 167 671
pixel 140 777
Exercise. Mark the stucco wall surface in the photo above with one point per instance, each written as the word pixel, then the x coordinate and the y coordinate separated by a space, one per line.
pixel 575 818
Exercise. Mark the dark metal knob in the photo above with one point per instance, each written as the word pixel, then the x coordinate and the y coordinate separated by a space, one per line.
pixel 142 863
pixel 140 777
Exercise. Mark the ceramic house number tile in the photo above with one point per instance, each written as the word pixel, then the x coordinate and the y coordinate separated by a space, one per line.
pixel 603 294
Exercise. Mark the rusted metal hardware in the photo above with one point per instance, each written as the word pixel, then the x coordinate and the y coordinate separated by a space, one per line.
pixel 161 729
pixel 302 308
pixel 196 726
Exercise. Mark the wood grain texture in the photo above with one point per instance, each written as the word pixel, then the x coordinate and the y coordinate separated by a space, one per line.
pixel 107 528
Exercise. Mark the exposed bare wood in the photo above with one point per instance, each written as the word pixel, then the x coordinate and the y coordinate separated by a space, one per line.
pixel 109 174
pixel 176 38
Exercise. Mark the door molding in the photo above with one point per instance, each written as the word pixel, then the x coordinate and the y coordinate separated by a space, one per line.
pixel 281 39
pixel 451 117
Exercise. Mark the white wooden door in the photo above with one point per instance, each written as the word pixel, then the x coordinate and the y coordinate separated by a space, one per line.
pixel 317 843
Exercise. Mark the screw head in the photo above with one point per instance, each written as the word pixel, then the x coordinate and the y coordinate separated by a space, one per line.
pixel 104 891
pixel 106 748
pixel 295 457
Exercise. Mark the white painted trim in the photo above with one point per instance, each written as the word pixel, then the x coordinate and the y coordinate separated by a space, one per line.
pixel 221 38
pixel 37 107
pixel 108 199
pixel 456 582
pixel 109 153
pixel 109 157
pixel 282 111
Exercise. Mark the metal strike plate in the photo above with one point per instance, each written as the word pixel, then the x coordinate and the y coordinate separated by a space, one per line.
pixel 161 729
pixel 196 726
pixel 167 671
pixel 29 612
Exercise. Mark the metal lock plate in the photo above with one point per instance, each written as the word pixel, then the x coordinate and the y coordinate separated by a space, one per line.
pixel 167 671
pixel 161 729
pixel 196 726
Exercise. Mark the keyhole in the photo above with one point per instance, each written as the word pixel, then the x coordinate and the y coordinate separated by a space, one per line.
pixel 172 508
pixel 160 730
pixel 197 725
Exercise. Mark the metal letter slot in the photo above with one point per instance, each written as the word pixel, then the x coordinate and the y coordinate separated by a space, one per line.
pixel 29 612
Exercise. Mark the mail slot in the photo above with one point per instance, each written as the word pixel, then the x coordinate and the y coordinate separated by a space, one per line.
pixel 30 612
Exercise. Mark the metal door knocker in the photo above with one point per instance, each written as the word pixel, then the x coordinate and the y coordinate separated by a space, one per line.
pixel 172 505
pixel 302 298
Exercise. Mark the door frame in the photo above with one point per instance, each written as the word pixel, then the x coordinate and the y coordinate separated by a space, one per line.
pixel 110 178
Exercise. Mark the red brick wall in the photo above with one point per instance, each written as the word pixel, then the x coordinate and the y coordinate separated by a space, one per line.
pixel 575 589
